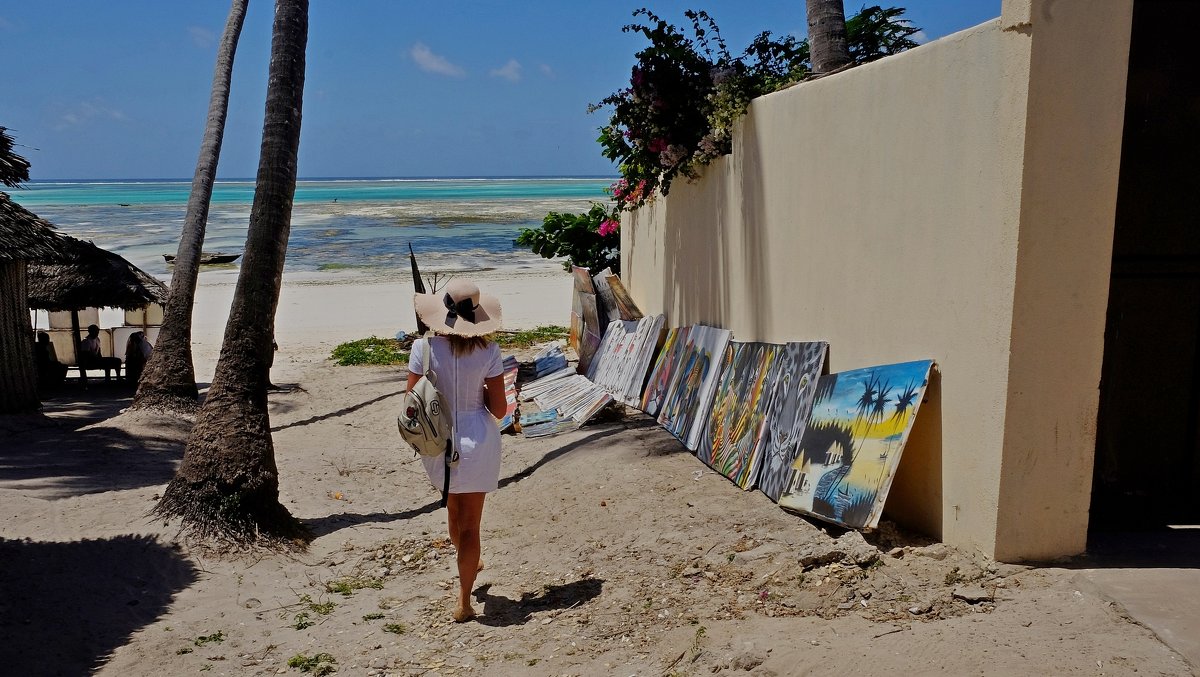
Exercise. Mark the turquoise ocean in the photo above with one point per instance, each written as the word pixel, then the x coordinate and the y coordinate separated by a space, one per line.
pixel 338 225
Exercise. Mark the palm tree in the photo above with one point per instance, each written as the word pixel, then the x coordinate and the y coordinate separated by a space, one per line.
pixel 228 484
pixel 827 35
pixel 169 379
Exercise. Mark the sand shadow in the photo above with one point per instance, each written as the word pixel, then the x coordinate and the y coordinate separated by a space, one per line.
pixel 57 461
pixel 501 611
pixel 334 414
pixel 64 607
pixel 322 526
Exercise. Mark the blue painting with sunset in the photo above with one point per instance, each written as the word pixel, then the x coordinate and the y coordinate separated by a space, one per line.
pixel 859 424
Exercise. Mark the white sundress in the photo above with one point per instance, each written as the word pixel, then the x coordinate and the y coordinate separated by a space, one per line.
pixel 476 432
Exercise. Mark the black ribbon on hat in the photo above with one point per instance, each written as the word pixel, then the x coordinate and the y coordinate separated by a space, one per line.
pixel 464 309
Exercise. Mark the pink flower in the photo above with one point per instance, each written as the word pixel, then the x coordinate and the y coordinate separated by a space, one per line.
pixel 608 227
pixel 657 145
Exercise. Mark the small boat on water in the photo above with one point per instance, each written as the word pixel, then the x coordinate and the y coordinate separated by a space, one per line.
pixel 208 257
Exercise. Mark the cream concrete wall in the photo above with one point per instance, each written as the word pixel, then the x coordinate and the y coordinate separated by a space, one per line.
pixel 884 210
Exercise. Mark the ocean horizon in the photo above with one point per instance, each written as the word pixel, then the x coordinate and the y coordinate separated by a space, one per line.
pixel 344 224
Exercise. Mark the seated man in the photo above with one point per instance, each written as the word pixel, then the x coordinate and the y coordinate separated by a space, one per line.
pixel 50 372
pixel 91 358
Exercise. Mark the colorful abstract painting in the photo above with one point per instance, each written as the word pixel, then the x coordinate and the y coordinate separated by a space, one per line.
pixel 852 445
pixel 739 410
pixel 689 396
pixel 794 374
pixel 664 370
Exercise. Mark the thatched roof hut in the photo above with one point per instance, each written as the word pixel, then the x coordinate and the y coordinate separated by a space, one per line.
pixel 87 276
pixel 26 237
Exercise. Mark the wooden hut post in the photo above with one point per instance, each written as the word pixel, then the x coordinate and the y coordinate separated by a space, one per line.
pixel 18 378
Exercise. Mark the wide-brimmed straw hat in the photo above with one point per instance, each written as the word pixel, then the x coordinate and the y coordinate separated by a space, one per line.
pixel 459 309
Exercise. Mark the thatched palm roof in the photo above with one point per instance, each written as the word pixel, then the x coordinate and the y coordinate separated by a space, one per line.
pixel 24 236
pixel 90 277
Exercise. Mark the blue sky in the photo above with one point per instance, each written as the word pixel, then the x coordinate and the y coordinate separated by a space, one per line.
pixel 119 89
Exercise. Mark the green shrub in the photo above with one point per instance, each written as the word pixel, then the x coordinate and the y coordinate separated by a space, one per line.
pixel 588 240
pixel 373 350
pixel 530 337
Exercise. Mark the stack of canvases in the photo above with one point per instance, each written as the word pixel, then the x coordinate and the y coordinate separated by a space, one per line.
pixel 768 416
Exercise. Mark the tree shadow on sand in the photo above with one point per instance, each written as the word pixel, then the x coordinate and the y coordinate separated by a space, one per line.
pixel 501 611
pixel 64 607
pixel 50 460
pixel 322 526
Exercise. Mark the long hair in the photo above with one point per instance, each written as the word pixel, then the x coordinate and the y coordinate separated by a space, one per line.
pixel 465 345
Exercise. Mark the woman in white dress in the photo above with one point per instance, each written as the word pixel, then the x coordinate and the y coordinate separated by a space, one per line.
pixel 470 377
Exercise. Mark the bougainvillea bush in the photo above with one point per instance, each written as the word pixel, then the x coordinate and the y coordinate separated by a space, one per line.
pixel 589 240
pixel 686 92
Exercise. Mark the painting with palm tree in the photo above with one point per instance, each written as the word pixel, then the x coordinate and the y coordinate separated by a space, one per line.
pixel 733 428
pixel 850 449
pixel 794 376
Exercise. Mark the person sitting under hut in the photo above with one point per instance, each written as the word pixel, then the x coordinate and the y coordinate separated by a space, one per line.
pixel 137 353
pixel 50 372
pixel 91 358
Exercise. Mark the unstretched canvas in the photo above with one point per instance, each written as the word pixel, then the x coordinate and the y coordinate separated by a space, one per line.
pixel 848 456
pixel 794 374
pixel 733 427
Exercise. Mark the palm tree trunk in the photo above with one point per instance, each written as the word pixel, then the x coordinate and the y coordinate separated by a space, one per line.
pixel 228 484
pixel 169 379
pixel 18 382
pixel 827 35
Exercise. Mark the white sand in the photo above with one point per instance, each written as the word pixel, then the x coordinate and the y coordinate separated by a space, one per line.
pixel 317 311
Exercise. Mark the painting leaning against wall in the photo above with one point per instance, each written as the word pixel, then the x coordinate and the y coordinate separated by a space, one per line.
pixel 664 370
pixel 794 374
pixel 733 428
pixel 689 397
pixel 850 449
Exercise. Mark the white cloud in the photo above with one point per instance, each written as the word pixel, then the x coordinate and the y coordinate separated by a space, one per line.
pixel 434 63
pixel 86 111
pixel 546 70
pixel 510 71
pixel 202 37
pixel 919 37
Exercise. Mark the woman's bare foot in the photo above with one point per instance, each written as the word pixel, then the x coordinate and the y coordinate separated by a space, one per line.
pixel 480 566
pixel 463 614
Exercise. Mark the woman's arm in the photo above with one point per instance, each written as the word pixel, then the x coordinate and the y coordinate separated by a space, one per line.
pixel 412 379
pixel 493 396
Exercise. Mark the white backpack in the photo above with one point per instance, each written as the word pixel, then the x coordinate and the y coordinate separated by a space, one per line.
pixel 425 422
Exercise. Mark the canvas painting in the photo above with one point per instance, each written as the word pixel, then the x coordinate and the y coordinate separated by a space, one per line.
pixel 852 445
pixel 664 370
pixel 624 356
pixel 609 310
pixel 735 424
pixel 628 309
pixel 794 373
pixel 511 367
pixel 689 397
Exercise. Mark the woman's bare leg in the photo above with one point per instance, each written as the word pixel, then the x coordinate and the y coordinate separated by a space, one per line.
pixel 464 513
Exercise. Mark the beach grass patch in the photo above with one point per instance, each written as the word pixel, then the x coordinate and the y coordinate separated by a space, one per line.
pixel 321 664
pixel 348 586
pixel 396 628
pixel 373 616
pixel 529 337
pixel 215 638
pixel 372 350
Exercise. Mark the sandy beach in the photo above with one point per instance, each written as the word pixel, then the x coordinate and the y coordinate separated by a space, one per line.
pixel 609 550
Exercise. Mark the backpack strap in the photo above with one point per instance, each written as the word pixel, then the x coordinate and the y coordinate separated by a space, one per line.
pixel 446 467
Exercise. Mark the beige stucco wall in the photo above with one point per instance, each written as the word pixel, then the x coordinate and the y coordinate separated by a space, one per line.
pixel 890 210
